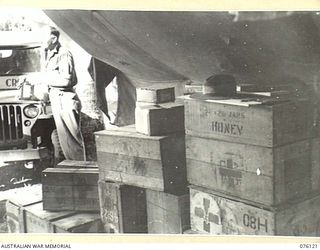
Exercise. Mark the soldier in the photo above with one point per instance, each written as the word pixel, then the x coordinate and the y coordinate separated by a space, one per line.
pixel 61 79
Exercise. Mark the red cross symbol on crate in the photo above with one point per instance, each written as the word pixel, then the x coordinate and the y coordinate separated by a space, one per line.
pixel 207 216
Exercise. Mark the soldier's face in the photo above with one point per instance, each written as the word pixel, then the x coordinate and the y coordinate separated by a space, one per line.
pixel 52 41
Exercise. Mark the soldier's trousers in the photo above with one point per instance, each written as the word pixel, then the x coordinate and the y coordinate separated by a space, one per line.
pixel 66 109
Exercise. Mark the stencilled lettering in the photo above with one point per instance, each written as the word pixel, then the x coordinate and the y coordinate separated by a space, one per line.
pixel 227 128
pixel 254 223
pixel 236 115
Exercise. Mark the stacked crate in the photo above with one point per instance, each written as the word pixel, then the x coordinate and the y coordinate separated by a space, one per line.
pixel 67 202
pixel 146 161
pixel 252 165
pixel 25 214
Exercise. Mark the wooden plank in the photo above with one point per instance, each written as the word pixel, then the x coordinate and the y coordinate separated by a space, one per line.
pixel 79 223
pixel 122 208
pixel 77 198
pixel 237 169
pixel 155 94
pixel 38 220
pixel 125 154
pixel 77 164
pixel 15 215
pixel 159 119
pixel 126 141
pixel 134 180
pixel 265 124
pixel 70 176
pixel 212 213
pixel 167 213
pixel 70 189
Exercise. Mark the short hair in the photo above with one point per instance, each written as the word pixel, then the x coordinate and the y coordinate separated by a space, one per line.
pixel 54 31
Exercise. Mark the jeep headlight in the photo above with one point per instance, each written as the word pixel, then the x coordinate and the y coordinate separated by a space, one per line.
pixel 31 111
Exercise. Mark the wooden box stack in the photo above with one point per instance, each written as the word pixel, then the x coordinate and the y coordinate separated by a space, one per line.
pixel 15 207
pixel 25 214
pixel 147 160
pixel 251 157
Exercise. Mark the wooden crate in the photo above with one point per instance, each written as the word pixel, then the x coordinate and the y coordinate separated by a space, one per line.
pixel 212 213
pixel 77 164
pixel 79 223
pixel 122 208
pixel 70 189
pixel 16 204
pixel 38 220
pixel 167 213
pixel 153 162
pixel 155 94
pixel 159 119
pixel 264 175
pixel 245 120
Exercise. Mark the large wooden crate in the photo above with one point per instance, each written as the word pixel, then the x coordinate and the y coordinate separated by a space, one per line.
pixel 122 208
pixel 248 120
pixel 153 162
pixel 264 175
pixel 70 189
pixel 79 223
pixel 38 220
pixel 16 204
pixel 159 119
pixel 167 213
pixel 212 213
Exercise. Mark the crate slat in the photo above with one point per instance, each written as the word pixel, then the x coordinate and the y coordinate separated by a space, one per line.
pixel 79 223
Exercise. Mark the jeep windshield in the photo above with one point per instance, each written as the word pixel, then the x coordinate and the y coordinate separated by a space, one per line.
pixel 19 61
